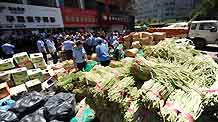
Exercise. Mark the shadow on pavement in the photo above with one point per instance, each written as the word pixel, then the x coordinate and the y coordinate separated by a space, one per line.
pixel 210 49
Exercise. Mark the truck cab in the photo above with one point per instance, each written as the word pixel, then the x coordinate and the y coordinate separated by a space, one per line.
pixel 203 32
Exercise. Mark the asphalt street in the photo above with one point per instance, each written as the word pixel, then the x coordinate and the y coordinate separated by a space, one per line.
pixel 211 50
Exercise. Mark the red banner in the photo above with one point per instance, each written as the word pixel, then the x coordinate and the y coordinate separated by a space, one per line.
pixel 74 17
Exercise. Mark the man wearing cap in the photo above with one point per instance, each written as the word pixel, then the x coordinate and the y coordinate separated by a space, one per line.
pixel 102 51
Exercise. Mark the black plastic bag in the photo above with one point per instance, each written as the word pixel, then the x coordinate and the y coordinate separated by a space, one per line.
pixel 56 121
pixel 60 107
pixel 37 116
pixel 8 117
pixel 28 104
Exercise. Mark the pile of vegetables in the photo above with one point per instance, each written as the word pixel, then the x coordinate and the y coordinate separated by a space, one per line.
pixel 172 80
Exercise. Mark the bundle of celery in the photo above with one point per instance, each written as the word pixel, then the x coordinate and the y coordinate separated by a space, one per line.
pixel 210 103
pixel 171 80
pixel 200 69
pixel 119 90
pixel 182 107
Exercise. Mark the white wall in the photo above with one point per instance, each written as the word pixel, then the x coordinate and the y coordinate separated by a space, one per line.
pixel 30 11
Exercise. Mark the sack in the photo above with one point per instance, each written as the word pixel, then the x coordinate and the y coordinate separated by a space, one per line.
pixel 8 117
pixel 6 104
pixel 37 116
pixel 28 104
pixel 56 121
pixel 85 113
pixel 90 66
pixel 88 115
pixel 60 107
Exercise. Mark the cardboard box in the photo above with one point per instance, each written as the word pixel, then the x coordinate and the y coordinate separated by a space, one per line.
pixel 46 74
pixel 35 74
pixel 145 34
pixel 136 45
pixel 131 52
pixel 17 90
pixel 23 60
pixel 6 64
pixel 146 41
pixel 19 75
pixel 5 76
pixel 4 90
pixel 127 44
pixel 38 60
pixel 34 85
pixel 158 36
pixel 136 36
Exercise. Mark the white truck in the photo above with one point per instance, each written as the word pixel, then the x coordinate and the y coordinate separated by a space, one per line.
pixel 203 32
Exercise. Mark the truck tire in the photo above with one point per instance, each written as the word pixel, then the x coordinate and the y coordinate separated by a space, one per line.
pixel 199 43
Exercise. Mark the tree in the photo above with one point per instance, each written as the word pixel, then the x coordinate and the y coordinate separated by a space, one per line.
pixel 207 10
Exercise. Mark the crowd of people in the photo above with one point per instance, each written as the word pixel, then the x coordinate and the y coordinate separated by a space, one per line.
pixel 76 46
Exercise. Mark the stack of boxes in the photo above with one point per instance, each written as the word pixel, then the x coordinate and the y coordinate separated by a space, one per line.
pixel 139 39
pixel 18 74
pixel 135 41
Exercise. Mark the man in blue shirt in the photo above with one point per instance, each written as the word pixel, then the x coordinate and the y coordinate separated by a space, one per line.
pixel 90 44
pixel 102 51
pixel 79 55
pixel 8 50
pixel 68 48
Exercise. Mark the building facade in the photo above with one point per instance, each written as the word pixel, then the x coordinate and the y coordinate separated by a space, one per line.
pixel 48 14
pixel 162 10
pixel 106 14
pixel 30 14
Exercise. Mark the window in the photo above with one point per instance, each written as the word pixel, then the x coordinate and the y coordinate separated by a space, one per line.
pixel 47 3
pixel 193 26
pixel 207 26
pixel 13 1
pixel 67 18
pixel 10 18
pixel 77 19
pixel 73 19
pixel 71 3
pixel 45 19
pixel 30 19
pixel 81 19
pixel 20 19
pixel 38 19
pixel 52 19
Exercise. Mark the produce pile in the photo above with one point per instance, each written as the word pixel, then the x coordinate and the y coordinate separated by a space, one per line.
pixel 173 82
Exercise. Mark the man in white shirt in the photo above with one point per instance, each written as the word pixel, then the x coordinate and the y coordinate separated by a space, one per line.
pixel 51 48
pixel 42 49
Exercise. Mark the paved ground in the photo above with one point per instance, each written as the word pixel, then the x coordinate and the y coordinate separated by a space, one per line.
pixel 211 50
